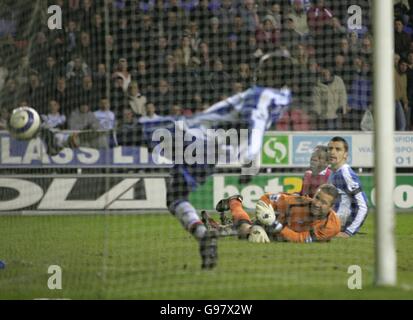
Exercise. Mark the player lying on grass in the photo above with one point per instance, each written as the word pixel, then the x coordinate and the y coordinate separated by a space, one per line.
pixel 287 217
pixel 318 172
pixel 255 109
pixel 351 206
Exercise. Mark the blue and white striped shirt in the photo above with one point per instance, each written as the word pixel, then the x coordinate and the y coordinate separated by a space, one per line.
pixel 255 109
pixel 351 207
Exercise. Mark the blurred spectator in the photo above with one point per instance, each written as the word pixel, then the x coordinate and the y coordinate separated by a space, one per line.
pixel 318 16
pixel 4 73
pixel 100 76
pixel 85 49
pixel 248 12
pixel 98 36
pixel 401 39
pixel 237 87
pixel 231 54
pixel 72 36
pixel 299 18
pixel 252 52
pixel 344 49
pixel 163 97
pixel 289 37
pixel 123 35
pixel 243 75
pixel 119 98
pixel 125 133
pixel 192 31
pixel 273 10
pixel 37 97
pixel 204 56
pixel 162 50
pixel 88 93
pixel 177 6
pixel 184 54
pixel 402 102
pixel 240 29
pixel 23 71
pixel 359 98
pixel 76 69
pixel 104 115
pixel 146 34
pixel 202 14
pixel 4 118
pixel 86 14
pixel 50 74
pixel 366 50
pixel 268 37
pixel 219 82
pixel 83 119
pixel 143 77
pixel 215 38
pixel 331 35
pixel 169 69
pixel 172 29
pixel 176 110
pixel 401 9
pixel 343 69
pixel 226 13
pixel 62 96
pixel 159 12
pixel 330 100
pixel 9 94
pixel 150 112
pixel 109 48
pixel 304 79
pixel 145 6
pixel 53 118
pixel 136 53
pixel 39 49
pixel 409 74
pixel 121 71
pixel 354 43
pixel 137 101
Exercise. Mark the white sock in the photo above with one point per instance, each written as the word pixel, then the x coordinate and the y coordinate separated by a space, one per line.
pixel 188 217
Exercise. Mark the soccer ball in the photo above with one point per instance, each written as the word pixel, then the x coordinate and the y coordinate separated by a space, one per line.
pixel 24 123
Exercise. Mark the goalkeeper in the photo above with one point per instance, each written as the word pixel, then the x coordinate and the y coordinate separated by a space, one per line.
pixel 287 217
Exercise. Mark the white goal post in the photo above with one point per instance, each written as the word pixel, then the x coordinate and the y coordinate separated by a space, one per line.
pixel 384 142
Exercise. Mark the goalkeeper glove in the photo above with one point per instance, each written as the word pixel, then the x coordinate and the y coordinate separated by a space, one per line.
pixel 265 213
pixel 258 235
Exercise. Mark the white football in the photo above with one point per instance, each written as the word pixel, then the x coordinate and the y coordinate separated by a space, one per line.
pixel 24 123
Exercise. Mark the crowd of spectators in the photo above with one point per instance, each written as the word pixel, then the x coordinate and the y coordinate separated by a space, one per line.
pixel 145 58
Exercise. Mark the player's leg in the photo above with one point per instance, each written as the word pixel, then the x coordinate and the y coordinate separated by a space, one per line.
pixel 241 218
pixel 178 188
pixel 56 141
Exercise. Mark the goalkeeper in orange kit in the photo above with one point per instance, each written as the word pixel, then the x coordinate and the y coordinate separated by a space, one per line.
pixel 287 217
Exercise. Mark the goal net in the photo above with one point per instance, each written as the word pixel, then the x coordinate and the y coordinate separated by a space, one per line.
pixel 93 222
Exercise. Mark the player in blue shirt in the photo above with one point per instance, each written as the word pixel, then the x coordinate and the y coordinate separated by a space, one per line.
pixel 352 205
pixel 255 109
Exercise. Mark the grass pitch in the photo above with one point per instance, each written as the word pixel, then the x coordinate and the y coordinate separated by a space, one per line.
pixel 152 257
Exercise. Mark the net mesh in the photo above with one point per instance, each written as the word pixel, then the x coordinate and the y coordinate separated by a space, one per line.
pixel 114 63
